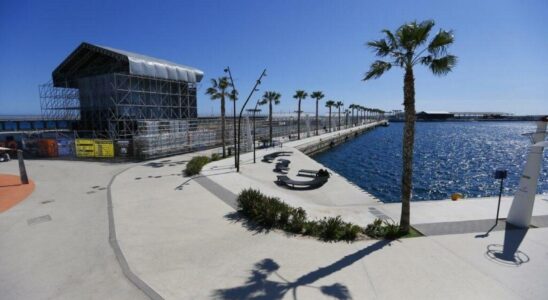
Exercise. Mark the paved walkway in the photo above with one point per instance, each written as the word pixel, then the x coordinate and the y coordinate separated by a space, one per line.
pixel 182 238
pixel 54 244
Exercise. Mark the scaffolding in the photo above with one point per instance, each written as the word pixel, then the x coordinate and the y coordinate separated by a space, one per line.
pixel 59 103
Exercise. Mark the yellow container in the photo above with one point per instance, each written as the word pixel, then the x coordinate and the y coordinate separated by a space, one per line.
pixel 85 148
pixel 104 148
pixel 94 148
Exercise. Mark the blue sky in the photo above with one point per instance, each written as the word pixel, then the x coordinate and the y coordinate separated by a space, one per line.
pixel 310 45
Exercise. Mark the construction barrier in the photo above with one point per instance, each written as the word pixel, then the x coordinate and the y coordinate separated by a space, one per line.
pixel 94 148
pixel 48 148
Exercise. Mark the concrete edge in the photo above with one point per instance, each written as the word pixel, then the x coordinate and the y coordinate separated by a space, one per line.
pixel 138 282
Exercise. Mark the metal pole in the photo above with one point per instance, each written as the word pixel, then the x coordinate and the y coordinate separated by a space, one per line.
pixel 498 206
pixel 254 136
pixel 22 169
pixel 240 118
pixel 234 94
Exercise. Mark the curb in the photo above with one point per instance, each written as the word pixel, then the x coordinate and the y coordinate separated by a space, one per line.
pixel 138 282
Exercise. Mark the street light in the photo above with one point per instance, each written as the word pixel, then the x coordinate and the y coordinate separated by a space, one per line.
pixel 500 174
pixel 254 111
pixel 253 90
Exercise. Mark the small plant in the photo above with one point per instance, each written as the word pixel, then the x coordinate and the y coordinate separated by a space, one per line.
pixel 331 228
pixel 383 229
pixel 270 212
pixel 195 165
pixel 215 156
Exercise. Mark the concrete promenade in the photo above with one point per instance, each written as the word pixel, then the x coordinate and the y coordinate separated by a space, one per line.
pixel 54 244
pixel 182 238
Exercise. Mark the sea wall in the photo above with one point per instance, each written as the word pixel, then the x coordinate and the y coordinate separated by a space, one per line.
pixel 323 144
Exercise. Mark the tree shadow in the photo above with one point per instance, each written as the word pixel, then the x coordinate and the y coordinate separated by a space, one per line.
pixel 260 286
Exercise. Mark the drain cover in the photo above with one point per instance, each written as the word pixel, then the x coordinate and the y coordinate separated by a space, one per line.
pixel 38 220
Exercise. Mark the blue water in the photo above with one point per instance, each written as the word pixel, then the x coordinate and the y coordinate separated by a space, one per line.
pixel 450 157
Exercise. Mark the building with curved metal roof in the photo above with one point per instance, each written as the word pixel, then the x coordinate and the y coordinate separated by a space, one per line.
pixel 112 91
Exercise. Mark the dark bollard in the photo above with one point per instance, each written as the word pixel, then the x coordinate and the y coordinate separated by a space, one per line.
pixel 22 170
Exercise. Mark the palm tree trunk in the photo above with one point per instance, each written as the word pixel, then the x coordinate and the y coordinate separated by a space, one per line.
pixel 317 116
pixel 339 118
pixel 270 120
pixel 299 121
pixel 408 143
pixel 330 119
pixel 223 126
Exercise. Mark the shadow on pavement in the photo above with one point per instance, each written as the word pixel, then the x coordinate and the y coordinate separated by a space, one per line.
pixel 509 252
pixel 259 286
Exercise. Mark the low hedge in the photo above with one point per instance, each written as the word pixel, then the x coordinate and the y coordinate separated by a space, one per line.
pixel 270 212
pixel 195 165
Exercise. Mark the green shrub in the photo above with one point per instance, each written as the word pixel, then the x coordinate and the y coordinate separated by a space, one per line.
pixel 270 212
pixel 297 220
pixel 331 229
pixel 215 156
pixel 195 165
pixel 383 229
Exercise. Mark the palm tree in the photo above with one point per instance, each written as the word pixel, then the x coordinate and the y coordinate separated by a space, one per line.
pixel 338 105
pixel 299 95
pixel 406 48
pixel 330 104
pixel 218 90
pixel 353 107
pixel 318 96
pixel 270 98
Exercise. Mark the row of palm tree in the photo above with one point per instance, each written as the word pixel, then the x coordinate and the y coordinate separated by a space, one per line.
pixel 219 90
pixel 405 48
pixel 364 113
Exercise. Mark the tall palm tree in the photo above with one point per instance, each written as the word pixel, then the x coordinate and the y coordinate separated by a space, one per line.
pixel 407 47
pixel 299 95
pixel 218 91
pixel 329 104
pixel 318 96
pixel 270 98
pixel 351 107
pixel 338 105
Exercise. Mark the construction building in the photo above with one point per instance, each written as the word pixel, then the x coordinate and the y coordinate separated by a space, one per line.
pixel 124 96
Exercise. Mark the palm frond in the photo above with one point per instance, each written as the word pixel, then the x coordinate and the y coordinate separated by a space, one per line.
pixel 413 34
pixel 393 42
pixel 422 31
pixel 440 42
pixel 443 65
pixel 380 47
pixel 377 69
pixel 300 94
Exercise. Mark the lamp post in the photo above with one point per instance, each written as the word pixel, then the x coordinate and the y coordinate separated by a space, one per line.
pixel 253 90
pixel 254 111
pixel 234 97
pixel 500 174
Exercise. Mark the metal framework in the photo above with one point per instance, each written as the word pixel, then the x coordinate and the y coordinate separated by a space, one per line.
pixel 59 103
pixel 111 105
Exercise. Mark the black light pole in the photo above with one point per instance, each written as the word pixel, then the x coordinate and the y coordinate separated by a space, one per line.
pixel 253 90
pixel 500 174
pixel 254 111
pixel 235 97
